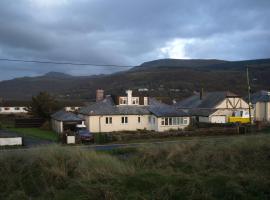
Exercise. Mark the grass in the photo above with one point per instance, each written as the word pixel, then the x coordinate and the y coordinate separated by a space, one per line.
pixel 8 124
pixel 237 168
pixel 35 132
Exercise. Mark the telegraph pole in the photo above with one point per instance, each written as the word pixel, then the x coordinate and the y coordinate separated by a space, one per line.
pixel 249 101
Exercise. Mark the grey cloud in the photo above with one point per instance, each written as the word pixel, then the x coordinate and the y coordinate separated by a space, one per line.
pixel 128 32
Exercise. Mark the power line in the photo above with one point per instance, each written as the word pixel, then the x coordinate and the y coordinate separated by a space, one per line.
pixel 64 63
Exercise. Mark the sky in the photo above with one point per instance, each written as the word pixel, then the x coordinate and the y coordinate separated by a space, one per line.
pixel 128 32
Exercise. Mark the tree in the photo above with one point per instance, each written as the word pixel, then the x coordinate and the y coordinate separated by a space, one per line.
pixel 43 105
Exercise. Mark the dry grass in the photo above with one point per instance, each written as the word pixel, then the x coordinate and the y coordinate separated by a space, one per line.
pixel 236 169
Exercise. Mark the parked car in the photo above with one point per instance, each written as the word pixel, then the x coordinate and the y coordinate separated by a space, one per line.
pixel 83 134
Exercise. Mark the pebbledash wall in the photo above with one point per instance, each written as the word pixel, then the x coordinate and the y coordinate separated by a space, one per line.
pixel 134 122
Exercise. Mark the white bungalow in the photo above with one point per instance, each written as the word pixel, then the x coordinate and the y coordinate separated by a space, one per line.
pixel 13 107
pixel 131 113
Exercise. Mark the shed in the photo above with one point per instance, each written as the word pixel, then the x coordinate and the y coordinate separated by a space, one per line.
pixel 63 120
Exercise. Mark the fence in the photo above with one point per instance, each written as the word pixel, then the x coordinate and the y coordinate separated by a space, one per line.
pixel 28 122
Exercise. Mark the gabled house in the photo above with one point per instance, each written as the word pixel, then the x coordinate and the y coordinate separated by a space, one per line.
pixel 215 107
pixel 131 113
pixel 261 105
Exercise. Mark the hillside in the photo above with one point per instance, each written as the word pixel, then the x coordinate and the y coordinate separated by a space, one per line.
pixel 162 77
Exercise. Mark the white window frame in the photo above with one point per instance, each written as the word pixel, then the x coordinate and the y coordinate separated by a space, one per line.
pixel 135 100
pixel 174 121
pixel 108 120
pixel 185 120
pixel 123 101
pixel 124 120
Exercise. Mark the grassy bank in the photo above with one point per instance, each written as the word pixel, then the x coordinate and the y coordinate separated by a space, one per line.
pixel 235 169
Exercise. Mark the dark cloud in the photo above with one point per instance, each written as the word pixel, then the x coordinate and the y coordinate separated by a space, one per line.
pixel 128 32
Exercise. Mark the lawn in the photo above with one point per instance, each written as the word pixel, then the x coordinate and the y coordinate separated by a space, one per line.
pixel 237 168
pixel 8 124
pixel 35 132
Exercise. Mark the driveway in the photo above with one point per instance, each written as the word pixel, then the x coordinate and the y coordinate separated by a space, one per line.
pixel 27 141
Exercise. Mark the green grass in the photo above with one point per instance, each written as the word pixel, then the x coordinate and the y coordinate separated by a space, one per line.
pixel 237 168
pixel 35 132
pixel 8 124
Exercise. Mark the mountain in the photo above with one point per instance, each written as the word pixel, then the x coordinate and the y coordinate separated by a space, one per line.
pixel 165 78
pixel 181 63
pixel 57 75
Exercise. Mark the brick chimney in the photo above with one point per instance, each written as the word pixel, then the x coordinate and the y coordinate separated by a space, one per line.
pixel 99 95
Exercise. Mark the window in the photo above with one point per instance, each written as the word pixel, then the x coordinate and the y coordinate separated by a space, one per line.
pixel 163 121
pixel 139 119
pixel 166 121
pixel 17 108
pixel 124 120
pixel 108 120
pixel 181 121
pixel 122 100
pixel 174 121
pixel 149 119
pixel 154 120
pixel 170 121
pixel 185 120
pixel 135 100
pixel 6 108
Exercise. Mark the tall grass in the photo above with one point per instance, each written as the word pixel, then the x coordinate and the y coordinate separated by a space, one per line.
pixel 57 172
pixel 237 169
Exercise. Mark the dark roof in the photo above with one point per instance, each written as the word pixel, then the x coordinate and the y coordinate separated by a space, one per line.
pixel 135 93
pixel 201 112
pixel 72 103
pixel 261 96
pixel 66 116
pixel 108 107
pixel 160 109
pixel 14 103
pixel 166 111
pixel 209 100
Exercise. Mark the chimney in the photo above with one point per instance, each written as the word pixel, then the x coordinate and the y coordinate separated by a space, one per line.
pixel 99 95
pixel 201 94
pixel 129 97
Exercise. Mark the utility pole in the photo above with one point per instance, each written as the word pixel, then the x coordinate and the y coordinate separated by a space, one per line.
pixel 249 101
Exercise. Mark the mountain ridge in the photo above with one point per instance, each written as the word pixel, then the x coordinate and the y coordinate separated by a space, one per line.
pixel 161 80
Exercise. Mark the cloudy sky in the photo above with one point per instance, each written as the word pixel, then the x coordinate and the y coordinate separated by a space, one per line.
pixel 128 32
